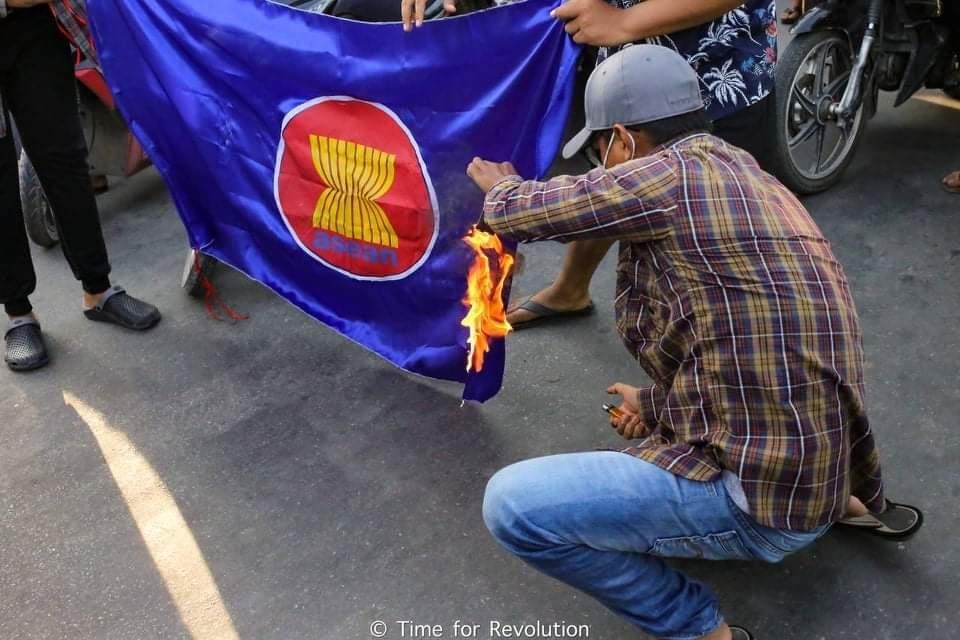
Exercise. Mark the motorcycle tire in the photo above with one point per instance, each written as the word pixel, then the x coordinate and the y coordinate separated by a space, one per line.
pixel 37 212
pixel 790 68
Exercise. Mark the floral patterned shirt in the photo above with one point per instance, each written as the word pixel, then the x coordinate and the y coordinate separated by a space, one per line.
pixel 734 55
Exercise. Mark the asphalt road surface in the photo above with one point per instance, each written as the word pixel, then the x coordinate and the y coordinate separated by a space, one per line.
pixel 271 480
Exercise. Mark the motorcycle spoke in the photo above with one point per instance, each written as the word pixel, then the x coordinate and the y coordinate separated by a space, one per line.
pixel 804 134
pixel 819 66
pixel 838 83
pixel 806 102
pixel 821 134
pixel 841 145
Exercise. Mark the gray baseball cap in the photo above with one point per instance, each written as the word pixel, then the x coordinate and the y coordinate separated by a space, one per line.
pixel 640 83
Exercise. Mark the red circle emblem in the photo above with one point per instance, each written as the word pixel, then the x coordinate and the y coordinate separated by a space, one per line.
pixel 353 189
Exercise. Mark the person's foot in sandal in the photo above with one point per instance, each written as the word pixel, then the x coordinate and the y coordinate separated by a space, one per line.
pixel 951 182
pixel 897 522
pixel 116 306
pixel 549 305
pixel 25 347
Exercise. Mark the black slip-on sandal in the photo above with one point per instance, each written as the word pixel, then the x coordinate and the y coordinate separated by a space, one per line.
pixel 739 633
pixel 26 349
pixel 120 308
pixel 897 522
pixel 544 314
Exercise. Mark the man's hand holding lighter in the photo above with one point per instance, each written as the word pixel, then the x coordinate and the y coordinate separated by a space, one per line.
pixel 625 418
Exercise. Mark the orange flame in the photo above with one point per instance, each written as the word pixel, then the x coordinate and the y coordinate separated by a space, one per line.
pixel 487 316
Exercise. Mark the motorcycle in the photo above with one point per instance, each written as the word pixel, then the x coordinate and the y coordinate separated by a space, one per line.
pixel 829 78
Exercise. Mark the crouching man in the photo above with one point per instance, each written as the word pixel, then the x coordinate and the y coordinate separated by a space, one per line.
pixel 753 438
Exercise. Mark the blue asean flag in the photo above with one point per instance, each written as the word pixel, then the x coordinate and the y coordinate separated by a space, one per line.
pixel 325 158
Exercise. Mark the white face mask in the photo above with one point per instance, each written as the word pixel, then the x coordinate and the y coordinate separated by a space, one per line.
pixel 606 156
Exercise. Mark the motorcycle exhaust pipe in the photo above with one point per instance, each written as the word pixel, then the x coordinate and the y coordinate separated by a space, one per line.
pixel 846 109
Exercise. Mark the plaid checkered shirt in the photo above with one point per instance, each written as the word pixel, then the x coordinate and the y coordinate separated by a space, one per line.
pixel 71 16
pixel 734 304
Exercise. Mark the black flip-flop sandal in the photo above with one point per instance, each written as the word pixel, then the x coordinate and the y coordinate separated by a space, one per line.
pixel 897 522
pixel 26 349
pixel 739 633
pixel 120 308
pixel 546 314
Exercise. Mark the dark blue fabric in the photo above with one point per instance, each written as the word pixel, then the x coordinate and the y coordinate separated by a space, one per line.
pixel 206 87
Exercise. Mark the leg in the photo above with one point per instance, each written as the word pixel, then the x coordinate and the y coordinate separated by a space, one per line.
pixel 41 95
pixel 597 521
pixel 25 349
pixel 17 277
pixel 751 129
pixel 571 289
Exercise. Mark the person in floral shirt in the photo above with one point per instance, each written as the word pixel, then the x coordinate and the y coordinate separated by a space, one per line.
pixel 733 48
pixel 733 55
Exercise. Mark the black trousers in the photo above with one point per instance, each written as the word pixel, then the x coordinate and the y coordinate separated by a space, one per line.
pixel 753 130
pixel 39 90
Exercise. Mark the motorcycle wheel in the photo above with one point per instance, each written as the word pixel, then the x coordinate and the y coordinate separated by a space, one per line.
pixel 37 212
pixel 812 149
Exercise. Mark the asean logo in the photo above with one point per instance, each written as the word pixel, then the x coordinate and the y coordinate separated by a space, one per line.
pixel 353 189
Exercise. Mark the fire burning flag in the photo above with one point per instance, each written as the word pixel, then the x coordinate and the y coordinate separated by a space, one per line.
pixel 486 316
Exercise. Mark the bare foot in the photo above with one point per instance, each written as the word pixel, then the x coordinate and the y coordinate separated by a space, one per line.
pixel 720 633
pixel 855 508
pixel 90 300
pixel 552 297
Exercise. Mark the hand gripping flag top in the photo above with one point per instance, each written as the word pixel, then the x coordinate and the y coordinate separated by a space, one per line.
pixel 326 158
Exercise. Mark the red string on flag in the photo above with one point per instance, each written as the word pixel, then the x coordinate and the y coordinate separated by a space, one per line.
pixel 212 298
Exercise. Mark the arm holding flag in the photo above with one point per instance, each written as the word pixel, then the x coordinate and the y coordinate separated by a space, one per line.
pixel 598 23
pixel 632 201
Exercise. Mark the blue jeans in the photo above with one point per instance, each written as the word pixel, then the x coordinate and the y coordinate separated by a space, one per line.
pixel 602 521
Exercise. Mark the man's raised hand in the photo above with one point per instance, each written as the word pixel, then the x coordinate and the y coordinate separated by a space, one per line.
pixel 593 22
pixel 412 11
pixel 486 174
